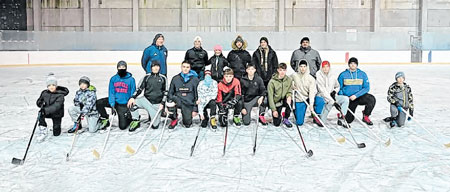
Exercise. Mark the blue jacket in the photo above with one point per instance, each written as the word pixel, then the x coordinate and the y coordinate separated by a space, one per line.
pixel 353 83
pixel 154 52
pixel 121 89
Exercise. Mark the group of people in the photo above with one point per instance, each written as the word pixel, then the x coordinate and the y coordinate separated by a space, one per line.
pixel 238 82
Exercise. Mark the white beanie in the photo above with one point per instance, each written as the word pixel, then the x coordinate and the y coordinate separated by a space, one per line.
pixel 51 79
pixel 198 38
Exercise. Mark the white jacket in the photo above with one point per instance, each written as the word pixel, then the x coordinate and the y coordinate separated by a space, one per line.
pixel 327 84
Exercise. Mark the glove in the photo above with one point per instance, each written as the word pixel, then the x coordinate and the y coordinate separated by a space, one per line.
pixel 411 113
pixel 42 111
pixel 81 106
pixel 333 95
pixel 232 102
pixel 113 111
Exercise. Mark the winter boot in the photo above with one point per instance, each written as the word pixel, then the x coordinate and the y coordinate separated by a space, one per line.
pixel 104 123
pixel 213 123
pixel 262 120
pixel 173 123
pixel 237 121
pixel 367 120
pixel 317 121
pixel 42 133
pixel 287 123
pixel 204 123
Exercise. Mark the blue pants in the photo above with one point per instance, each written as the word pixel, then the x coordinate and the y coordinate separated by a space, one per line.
pixel 300 109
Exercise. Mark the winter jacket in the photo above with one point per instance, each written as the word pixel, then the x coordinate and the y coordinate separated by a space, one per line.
pixel 238 59
pixel 278 89
pixel 327 84
pixel 252 88
pixel 184 90
pixel 121 89
pixel 353 83
pixel 197 57
pixel 265 69
pixel 206 94
pixel 310 55
pixel 217 65
pixel 304 86
pixel 154 87
pixel 227 91
pixel 54 102
pixel 154 52
pixel 87 99
pixel 401 94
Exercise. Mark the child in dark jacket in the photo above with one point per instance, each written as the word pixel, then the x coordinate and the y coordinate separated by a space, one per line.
pixel 84 105
pixel 229 97
pixel 217 62
pixel 400 97
pixel 51 102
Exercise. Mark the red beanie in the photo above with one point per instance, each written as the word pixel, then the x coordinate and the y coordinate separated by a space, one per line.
pixel 325 63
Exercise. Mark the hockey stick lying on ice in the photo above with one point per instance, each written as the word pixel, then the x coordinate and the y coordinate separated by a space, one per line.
pixel 96 154
pixel 129 149
pixel 386 143
pixel 447 145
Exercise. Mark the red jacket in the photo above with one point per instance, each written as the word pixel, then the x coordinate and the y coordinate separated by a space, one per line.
pixel 228 91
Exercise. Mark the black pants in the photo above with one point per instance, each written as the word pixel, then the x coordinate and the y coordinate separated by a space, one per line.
pixel 186 114
pixel 212 107
pixel 287 113
pixel 56 124
pixel 122 111
pixel 367 100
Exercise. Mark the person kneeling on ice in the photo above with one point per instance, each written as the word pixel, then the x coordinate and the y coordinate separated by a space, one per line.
pixel 207 93
pixel 279 95
pixel 154 87
pixel 51 102
pixel 354 84
pixel 400 97
pixel 84 102
pixel 121 88
pixel 229 97
pixel 305 90
pixel 253 92
pixel 183 91
pixel 328 86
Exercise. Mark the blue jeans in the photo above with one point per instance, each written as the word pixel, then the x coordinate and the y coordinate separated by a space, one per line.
pixel 300 109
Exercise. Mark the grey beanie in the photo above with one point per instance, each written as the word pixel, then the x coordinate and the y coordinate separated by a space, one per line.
pixel 122 63
pixel 84 80
pixel 51 79
pixel 399 74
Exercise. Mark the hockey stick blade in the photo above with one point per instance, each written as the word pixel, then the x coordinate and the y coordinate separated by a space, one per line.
pixel 340 140
pixel 16 161
pixel 388 142
pixel 361 145
pixel 309 153
pixel 447 145
pixel 130 150
pixel 153 148
pixel 96 154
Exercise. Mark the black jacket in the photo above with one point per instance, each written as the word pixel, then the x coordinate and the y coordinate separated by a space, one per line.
pixel 154 87
pixel 54 102
pixel 238 59
pixel 265 72
pixel 183 93
pixel 252 88
pixel 197 57
pixel 217 69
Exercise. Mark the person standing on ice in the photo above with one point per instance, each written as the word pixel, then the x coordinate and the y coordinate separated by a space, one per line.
pixel 253 93
pixel 121 88
pixel 305 90
pixel 400 97
pixel 51 102
pixel 239 57
pixel 153 85
pixel 197 57
pixel 217 62
pixel 354 84
pixel 328 86
pixel 183 92
pixel 279 95
pixel 84 105
pixel 265 60
pixel 229 97
pixel 207 94
pixel 306 52
pixel 156 51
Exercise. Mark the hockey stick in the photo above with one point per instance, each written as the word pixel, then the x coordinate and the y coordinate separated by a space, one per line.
pixel 309 153
pixel 226 135
pixel 195 142
pixel 256 132
pixel 96 154
pixel 129 149
pixel 387 142
pixel 152 147
pixel 359 145
pixel 17 161
pixel 74 138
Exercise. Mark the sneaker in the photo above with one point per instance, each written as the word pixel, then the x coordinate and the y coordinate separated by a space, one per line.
pixel 317 121
pixel 155 127
pixel 287 123
pixel 393 123
pixel 104 123
pixel 204 123
pixel 173 123
pixel 262 120
pixel 237 121
pixel 213 123
pixel 340 123
pixel 367 120
pixel 42 133
pixel 134 125
pixel 74 128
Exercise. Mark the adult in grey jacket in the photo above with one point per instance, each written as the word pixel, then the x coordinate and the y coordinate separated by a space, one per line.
pixel 306 52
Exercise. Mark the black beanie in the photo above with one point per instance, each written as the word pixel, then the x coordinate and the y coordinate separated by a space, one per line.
pixel 304 39
pixel 155 63
pixel 354 60
pixel 264 39
pixel 122 63
pixel 303 62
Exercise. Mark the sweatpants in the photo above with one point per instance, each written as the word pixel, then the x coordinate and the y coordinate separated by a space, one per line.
pixel 144 103
pixel 300 109
pixel 287 112
pixel 400 116
pixel 342 100
pixel 248 107
pixel 92 120
pixel 367 100
pixel 56 123
pixel 122 111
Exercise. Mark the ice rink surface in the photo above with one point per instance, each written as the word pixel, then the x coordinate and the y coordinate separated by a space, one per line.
pixel 413 162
